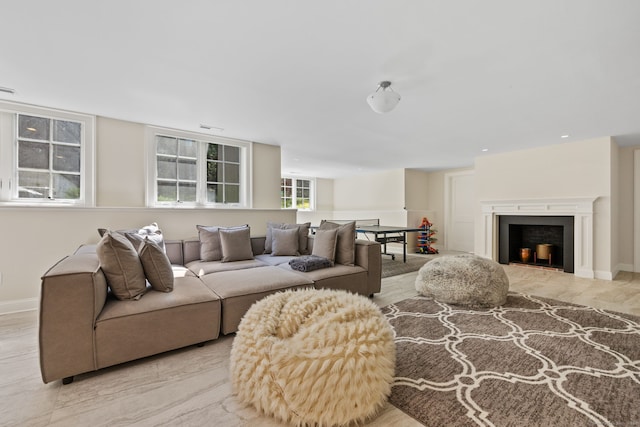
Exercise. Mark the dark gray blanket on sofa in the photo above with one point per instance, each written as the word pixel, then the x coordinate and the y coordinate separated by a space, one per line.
pixel 307 263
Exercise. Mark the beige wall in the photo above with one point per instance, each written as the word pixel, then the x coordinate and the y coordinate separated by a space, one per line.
pixel 416 190
pixel 371 196
pixel 615 208
pixel 324 194
pixel 378 191
pixel 436 201
pixel 577 169
pixel 266 176
pixel 120 163
pixel 626 207
pixel 33 238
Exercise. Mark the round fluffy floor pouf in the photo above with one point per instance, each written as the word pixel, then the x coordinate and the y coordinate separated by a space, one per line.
pixel 314 357
pixel 464 279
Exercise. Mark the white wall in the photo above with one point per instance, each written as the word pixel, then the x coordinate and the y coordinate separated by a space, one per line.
pixel 33 239
pixel 577 169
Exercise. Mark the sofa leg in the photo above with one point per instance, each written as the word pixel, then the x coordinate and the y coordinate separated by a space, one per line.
pixel 370 295
pixel 201 344
pixel 67 380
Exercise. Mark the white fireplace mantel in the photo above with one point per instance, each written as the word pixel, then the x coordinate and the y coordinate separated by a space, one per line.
pixel 581 208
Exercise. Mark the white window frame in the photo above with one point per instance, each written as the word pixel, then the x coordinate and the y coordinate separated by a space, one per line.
pixel 9 194
pixel 246 154
pixel 294 187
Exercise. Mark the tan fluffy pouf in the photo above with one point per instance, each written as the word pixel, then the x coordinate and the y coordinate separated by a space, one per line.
pixel 314 357
pixel 464 279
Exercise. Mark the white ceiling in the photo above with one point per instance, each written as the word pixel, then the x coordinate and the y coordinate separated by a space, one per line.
pixel 498 74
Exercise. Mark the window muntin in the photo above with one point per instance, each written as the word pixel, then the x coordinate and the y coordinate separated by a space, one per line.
pixel 197 170
pixel 223 173
pixel 177 169
pixel 296 193
pixel 49 158
pixel 286 193
pixel 303 193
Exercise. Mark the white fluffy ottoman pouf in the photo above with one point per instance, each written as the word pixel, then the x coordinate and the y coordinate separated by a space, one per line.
pixel 464 279
pixel 314 357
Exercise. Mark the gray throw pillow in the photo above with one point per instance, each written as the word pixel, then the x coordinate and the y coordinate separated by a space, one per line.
pixel 210 246
pixel 156 266
pixel 324 244
pixel 210 249
pixel 303 233
pixel 121 265
pixel 346 246
pixel 285 242
pixel 235 244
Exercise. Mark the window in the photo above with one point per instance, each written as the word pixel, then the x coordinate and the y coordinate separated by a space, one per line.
pixel 198 170
pixel 46 156
pixel 296 193
pixel 286 193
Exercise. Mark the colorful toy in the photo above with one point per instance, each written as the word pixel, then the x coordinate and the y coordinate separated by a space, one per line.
pixel 425 237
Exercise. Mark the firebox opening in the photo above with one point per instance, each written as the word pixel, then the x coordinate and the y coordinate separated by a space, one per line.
pixel 544 241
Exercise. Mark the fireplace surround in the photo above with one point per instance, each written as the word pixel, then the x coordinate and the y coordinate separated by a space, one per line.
pixel 580 209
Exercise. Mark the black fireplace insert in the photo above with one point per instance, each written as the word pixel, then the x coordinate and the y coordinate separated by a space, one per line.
pixel 516 233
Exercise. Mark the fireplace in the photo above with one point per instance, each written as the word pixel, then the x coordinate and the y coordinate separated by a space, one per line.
pixel 579 208
pixel 542 241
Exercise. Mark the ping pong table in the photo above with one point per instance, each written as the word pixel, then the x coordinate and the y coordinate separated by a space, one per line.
pixel 389 234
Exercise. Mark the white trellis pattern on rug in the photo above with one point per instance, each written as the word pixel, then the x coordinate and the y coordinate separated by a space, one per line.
pixel 533 361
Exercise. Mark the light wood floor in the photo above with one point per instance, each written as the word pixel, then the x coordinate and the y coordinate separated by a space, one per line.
pixel 191 386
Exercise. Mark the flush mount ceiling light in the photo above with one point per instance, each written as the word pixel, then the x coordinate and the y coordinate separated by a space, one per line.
pixel 384 99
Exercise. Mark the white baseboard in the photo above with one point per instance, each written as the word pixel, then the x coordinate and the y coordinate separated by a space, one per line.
pixel 625 267
pixel 605 275
pixel 587 274
pixel 18 305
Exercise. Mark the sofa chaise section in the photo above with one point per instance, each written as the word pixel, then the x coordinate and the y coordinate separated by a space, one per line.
pixel 158 322
pixel 84 328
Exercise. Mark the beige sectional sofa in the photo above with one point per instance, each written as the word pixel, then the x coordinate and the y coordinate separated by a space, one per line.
pixel 83 327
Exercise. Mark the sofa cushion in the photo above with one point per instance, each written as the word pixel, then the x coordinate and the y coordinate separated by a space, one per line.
pixel 324 244
pixel 236 244
pixel 121 265
pixel 346 245
pixel 201 268
pixel 352 279
pixel 285 242
pixel 156 266
pixel 303 233
pixel 210 246
pixel 127 330
pixel 238 290
pixel 274 260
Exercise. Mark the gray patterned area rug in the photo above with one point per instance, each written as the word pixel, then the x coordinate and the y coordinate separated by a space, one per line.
pixel 532 362
pixel 396 267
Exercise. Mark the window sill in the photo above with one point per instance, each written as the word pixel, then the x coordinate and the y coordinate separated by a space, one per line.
pixel 48 204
